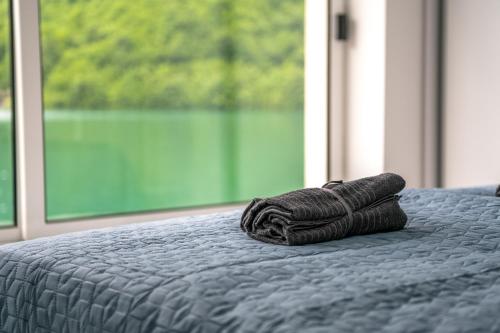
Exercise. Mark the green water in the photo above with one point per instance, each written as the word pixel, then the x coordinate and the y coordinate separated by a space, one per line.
pixel 129 161
pixel 6 170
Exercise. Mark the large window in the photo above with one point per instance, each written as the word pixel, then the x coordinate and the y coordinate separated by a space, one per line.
pixel 129 111
pixel 154 104
pixel 6 128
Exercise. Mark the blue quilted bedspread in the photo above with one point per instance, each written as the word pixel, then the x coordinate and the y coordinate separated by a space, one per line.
pixel 202 274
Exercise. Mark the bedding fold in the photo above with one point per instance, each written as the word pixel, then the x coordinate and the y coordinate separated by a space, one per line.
pixel 335 211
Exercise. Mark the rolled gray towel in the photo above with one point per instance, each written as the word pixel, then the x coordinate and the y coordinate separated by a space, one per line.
pixel 335 211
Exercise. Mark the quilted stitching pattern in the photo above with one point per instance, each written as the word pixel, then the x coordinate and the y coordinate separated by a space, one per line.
pixel 202 274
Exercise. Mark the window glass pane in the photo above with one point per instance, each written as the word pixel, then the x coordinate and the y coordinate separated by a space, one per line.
pixel 6 149
pixel 153 104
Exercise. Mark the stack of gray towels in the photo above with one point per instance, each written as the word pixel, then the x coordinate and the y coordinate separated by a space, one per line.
pixel 335 211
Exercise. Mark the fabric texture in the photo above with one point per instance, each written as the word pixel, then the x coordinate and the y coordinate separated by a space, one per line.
pixel 337 210
pixel 441 273
pixel 483 190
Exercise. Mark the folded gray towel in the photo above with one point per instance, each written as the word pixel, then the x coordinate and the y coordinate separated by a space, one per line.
pixel 336 210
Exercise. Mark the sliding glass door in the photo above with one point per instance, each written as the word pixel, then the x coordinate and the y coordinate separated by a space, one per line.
pixel 152 104
pixel 133 111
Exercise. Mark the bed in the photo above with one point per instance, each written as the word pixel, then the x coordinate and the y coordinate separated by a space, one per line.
pixel 202 274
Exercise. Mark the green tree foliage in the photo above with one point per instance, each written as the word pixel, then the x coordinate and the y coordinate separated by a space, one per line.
pixel 175 54
pixel 5 71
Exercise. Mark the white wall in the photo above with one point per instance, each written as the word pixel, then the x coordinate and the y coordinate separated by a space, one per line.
pixel 365 89
pixel 403 90
pixel 384 99
pixel 472 93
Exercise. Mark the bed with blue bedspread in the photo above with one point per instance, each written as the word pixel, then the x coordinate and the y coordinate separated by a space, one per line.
pixel 202 274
